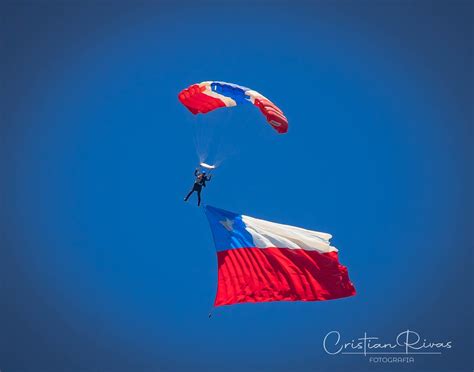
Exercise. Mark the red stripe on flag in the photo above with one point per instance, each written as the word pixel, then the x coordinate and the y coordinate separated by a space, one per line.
pixel 280 274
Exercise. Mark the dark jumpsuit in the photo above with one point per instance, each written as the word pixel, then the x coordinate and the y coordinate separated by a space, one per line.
pixel 199 183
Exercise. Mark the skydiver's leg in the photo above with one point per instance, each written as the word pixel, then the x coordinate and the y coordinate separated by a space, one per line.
pixel 199 197
pixel 189 194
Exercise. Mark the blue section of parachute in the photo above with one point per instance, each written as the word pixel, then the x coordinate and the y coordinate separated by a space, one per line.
pixel 237 93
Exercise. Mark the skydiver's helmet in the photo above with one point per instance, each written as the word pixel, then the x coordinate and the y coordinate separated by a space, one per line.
pixel 203 172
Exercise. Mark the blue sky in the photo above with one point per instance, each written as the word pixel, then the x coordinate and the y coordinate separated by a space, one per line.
pixel 105 267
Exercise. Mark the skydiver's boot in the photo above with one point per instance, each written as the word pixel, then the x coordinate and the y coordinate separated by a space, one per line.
pixel 187 196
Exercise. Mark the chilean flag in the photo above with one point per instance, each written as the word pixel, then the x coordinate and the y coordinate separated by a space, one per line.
pixel 262 261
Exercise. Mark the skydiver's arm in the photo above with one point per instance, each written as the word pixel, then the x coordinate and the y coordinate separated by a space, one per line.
pixel 196 172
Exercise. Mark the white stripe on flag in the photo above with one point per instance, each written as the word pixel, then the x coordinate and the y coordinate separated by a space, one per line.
pixel 270 234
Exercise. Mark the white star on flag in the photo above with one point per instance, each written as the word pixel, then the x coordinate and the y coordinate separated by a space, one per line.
pixel 228 224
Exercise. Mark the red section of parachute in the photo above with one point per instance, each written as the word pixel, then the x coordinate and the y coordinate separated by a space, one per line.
pixel 274 115
pixel 280 274
pixel 197 102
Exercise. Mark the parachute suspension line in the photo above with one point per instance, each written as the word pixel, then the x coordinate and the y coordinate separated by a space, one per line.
pixel 201 138
pixel 230 149
pixel 210 133
pixel 222 141
pixel 196 141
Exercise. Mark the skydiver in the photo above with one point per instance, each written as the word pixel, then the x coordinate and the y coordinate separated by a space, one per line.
pixel 199 183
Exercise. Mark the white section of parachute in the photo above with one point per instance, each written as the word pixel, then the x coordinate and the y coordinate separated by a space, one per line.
pixel 207 166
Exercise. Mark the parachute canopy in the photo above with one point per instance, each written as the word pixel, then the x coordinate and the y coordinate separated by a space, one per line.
pixel 210 95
